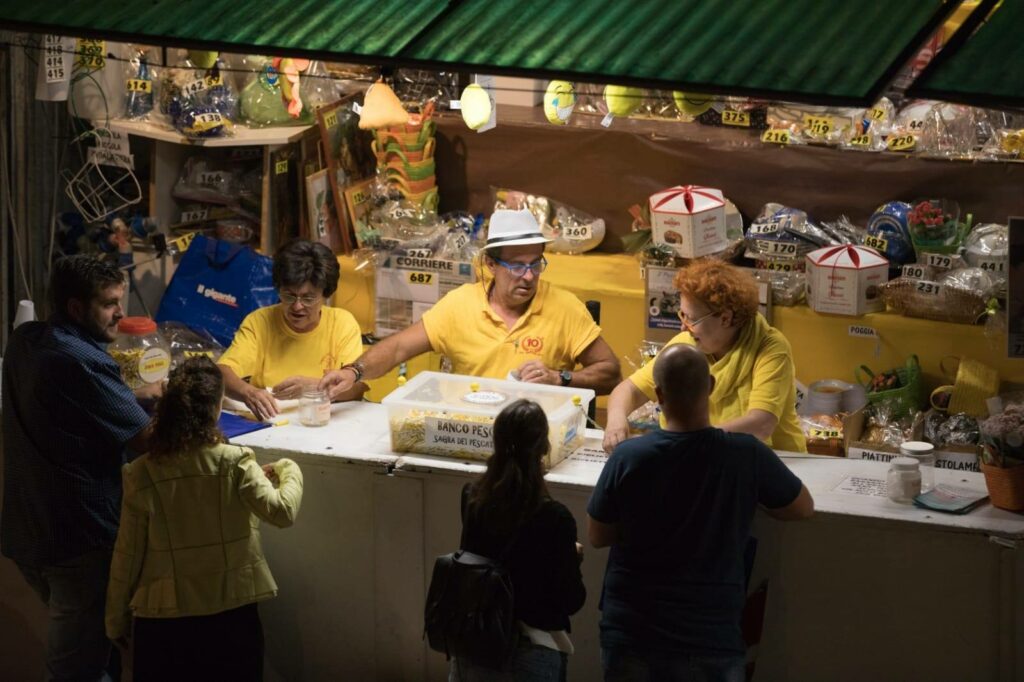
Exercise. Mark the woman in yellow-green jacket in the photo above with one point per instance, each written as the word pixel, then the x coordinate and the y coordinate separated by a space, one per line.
pixel 188 563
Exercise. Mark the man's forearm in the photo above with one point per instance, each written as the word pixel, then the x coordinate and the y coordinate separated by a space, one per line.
pixel 600 376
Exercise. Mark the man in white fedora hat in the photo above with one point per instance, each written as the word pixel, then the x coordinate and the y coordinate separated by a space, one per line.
pixel 514 324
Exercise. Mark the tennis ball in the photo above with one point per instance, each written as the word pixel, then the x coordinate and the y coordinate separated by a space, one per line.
pixel 691 103
pixel 476 106
pixel 622 100
pixel 559 101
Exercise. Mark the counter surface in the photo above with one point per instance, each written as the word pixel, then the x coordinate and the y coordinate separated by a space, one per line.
pixel 358 433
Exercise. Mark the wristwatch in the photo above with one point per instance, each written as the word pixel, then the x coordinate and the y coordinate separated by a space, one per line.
pixel 356 369
pixel 565 376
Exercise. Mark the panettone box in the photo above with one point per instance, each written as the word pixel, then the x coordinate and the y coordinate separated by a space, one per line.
pixel 690 219
pixel 845 280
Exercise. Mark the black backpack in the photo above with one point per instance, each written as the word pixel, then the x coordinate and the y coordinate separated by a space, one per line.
pixel 470 611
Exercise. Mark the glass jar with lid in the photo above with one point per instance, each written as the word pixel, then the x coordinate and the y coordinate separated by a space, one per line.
pixel 141 351
pixel 903 483
pixel 924 453
pixel 314 408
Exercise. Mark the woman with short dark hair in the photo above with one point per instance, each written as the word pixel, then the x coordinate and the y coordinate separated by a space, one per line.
pixel 188 567
pixel 508 515
pixel 287 347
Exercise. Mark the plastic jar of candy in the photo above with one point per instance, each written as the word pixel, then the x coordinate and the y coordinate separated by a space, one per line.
pixel 314 408
pixel 141 351
pixel 903 483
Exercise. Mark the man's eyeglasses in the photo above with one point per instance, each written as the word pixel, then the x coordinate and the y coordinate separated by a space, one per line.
pixel 690 324
pixel 519 269
pixel 306 301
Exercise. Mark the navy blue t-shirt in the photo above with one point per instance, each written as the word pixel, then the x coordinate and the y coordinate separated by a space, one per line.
pixel 684 503
pixel 67 416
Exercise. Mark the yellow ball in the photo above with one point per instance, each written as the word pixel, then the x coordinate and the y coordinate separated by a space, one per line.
pixel 559 101
pixel 622 100
pixel 691 103
pixel 476 106
pixel 204 59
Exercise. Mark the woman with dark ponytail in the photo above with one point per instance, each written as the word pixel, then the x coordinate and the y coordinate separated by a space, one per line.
pixel 508 515
pixel 188 563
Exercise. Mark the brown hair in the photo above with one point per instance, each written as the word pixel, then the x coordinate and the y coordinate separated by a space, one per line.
pixel 186 416
pixel 720 286
pixel 512 488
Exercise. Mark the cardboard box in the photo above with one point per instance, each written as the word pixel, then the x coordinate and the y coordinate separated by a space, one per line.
pixel 845 280
pixel 690 219
pixel 407 287
pixel 957 457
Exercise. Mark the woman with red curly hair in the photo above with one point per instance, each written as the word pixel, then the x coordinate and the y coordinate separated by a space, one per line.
pixel 751 362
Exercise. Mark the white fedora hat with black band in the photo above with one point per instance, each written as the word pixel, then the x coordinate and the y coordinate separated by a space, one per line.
pixel 514 228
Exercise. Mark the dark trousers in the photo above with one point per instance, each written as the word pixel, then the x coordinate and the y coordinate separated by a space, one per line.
pixel 223 646
pixel 74 591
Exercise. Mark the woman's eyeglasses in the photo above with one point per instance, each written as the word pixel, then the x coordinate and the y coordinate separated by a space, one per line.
pixel 306 301
pixel 690 324
pixel 519 269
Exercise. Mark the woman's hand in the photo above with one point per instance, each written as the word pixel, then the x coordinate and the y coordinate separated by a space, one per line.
pixel 292 387
pixel 260 403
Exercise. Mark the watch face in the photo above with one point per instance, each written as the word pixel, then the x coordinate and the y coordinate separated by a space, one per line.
pixel 566 376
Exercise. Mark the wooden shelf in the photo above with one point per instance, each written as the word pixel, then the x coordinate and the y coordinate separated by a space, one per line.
pixel 244 135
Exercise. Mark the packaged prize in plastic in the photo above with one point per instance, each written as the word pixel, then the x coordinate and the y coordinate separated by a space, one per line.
pixel 140 78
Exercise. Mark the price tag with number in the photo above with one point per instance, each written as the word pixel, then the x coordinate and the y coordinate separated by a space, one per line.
pixel 861 140
pixel 916 271
pixel 53 59
pixel 92 54
pixel 182 243
pixel 194 87
pixel 281 167
pixel 419 253
pixel 780 266
pixel 900 143
pixel 330 119
pixel 420 278
pixel 824 433
pixel 938 260
pixel 775 136
pixel 578 232
pixel 213 178
pixel 777 248
pixel 877 243
pixel 819 125
pixel 194 215
pixel 764 228
pixel 138 85
pixel 993 265
pixel 460 241
pixel 876 114
pixel 731 117
pixel 929 288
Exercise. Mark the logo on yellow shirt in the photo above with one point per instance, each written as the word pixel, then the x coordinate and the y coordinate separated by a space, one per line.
pixel 532 344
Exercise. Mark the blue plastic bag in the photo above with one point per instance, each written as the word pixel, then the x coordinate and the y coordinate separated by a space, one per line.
pixel 216 285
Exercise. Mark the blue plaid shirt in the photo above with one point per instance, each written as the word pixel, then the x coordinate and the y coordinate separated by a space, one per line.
pixel 67 416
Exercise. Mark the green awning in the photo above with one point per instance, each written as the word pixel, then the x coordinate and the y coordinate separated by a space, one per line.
pixel 340 30
pixel 984 67
pixel 823 51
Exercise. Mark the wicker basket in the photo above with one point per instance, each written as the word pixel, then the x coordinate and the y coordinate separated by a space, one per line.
pixel 974 382
pixel 951 305
pixel 905 399
pixel 1005 486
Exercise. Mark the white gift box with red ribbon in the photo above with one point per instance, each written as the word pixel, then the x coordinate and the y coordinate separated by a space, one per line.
pixel 845 280
pixel 690 219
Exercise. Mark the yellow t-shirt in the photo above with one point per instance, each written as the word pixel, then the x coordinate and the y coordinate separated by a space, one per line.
pixel 555 329
pixel 268 350
pixel 769 386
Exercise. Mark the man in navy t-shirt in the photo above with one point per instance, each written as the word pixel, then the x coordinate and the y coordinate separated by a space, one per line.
pixel 676 507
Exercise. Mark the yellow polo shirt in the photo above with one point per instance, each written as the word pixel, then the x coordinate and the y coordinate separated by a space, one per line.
pixel 555 329
pixel 771 387
pixel 268 350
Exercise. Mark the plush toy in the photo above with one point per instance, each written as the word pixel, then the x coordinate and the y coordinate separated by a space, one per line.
pixel 289 69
